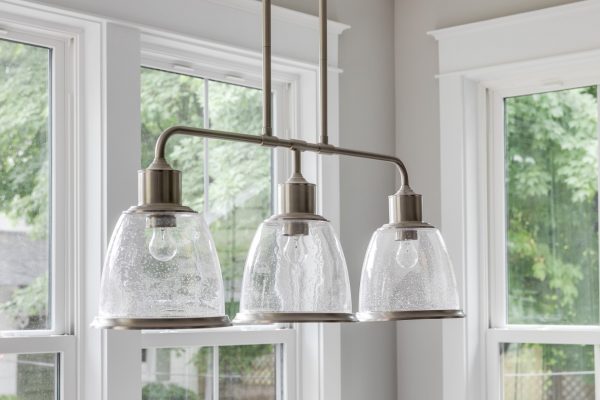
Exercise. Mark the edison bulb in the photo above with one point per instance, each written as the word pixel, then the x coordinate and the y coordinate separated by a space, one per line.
pixel 294 249
pixel 162 246
pixel 407 255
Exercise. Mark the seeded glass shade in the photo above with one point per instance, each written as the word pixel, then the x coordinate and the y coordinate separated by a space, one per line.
pixel 295 272
pixel 407 274
pixel 161 270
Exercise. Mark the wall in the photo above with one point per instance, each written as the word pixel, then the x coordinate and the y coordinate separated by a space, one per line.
pixel 419 344
pixel 366 122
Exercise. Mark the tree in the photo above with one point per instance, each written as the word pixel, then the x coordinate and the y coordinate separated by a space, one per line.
pixel 552 203
pixel 24 105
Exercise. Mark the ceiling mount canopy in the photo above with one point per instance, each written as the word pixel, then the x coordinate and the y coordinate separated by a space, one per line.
pixel 162 271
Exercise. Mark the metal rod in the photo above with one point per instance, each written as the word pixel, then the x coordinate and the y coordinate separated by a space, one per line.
pixel 270 141
pixel 266 78
pixel 297 162
pixel 323 69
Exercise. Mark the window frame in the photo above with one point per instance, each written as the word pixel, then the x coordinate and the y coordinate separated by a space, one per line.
pixel 194 62
pixel 62 41
pixel 477 71
pixel 499 330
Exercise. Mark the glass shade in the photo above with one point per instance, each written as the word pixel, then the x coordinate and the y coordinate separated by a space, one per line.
pixel 407 274
pixel 161 270
pixel 295 272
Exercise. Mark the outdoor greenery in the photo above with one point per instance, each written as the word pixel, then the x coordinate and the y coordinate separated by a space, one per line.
pixel 239 177
pixel 552 196
pixel 170 391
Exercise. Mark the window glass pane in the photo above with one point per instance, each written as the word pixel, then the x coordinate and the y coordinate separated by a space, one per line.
pixel 547 372
pixel 169 99
pixel 247 372
pixel 240 182
pixel 185 373
pixel 24 186
pixel 190 373
pixel 28 376
pixel 552 206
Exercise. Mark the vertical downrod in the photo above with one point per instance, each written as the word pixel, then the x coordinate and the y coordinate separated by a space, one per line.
pixel 323 69
pixel 266 78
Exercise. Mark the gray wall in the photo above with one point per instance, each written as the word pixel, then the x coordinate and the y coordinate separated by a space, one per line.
pixel 418 143
pixel 366 122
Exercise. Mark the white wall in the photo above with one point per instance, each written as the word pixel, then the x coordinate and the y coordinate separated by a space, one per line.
pixel 418 143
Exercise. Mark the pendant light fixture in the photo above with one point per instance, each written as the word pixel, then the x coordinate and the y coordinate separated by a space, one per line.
pixel 162 271
pixel 407 273
pixel 161 268
pixel 295 270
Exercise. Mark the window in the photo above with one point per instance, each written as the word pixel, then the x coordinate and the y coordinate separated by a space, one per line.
pixel 231 183
pixel 548 276
pixel 35 331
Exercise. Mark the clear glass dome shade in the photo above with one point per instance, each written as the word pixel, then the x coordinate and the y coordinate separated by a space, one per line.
pixel 161 271
pixel 295 272
pixel 407 274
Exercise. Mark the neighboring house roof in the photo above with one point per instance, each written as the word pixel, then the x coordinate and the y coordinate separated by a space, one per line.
pixel 21 258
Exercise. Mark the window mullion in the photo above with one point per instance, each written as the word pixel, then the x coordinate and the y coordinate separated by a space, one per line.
pixel 597 371
pixel 215 368
pixel 206 122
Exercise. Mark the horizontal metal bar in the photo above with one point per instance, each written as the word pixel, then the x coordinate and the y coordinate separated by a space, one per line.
pixel 270 141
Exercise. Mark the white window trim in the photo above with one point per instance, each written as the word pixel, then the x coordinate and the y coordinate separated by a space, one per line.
pixel 105 124
pixel 76 44
pixel 479 63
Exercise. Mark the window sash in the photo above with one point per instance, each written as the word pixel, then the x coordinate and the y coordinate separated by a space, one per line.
pixel 60 337
pixel 498 330
pixel 61 178
pixel 198 66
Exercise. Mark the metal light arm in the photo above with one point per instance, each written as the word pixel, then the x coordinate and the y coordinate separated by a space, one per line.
pixel 160 185
pixel 270 141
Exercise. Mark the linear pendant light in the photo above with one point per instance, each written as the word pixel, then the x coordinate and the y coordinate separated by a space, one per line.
pixel 162 271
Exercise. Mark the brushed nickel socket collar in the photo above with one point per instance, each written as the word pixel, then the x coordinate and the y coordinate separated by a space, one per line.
pixel 297 196
pixel 159 189
pixel 405 206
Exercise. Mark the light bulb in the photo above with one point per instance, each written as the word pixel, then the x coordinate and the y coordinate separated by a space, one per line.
pixel 162 246
pixel 407 255
pixel 294 249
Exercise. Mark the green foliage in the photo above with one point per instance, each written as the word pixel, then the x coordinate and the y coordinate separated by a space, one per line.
pixel 161 391
pixel 24 169
pixel 552 199
pixel 8 397
pixel 28 305
pixel 239 194
pixel 233 360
